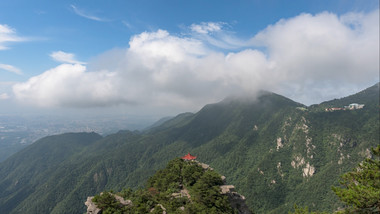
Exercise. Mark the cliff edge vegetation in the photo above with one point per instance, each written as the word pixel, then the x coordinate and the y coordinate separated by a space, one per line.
pixel 182 187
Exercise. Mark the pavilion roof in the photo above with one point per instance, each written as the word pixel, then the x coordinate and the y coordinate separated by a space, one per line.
pixel 189 157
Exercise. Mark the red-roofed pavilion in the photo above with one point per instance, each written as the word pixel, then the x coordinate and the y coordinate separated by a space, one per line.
pixel 189 157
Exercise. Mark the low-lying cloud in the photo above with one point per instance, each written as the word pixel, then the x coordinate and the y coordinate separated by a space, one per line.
pixel 310 58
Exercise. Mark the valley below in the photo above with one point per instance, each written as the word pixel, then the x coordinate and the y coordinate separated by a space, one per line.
pixel 276 152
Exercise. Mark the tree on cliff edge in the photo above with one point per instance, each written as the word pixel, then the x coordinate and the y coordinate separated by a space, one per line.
pixel 361 187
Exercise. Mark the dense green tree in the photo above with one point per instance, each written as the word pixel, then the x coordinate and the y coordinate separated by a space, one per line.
pixel 107 203
pixel 203 186
pixel 239 137
pixel 361 187
pixel 304 210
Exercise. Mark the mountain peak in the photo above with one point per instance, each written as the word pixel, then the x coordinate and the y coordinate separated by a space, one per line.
pixel 275 154
pixel 262 96
pixel 186 186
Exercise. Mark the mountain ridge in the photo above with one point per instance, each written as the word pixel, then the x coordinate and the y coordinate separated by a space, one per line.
pixel 271 148
pixel 368 96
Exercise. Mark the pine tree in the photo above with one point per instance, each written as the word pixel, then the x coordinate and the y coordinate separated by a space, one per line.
pixel 361 187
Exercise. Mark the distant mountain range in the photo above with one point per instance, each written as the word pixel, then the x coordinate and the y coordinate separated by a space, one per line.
pixel 275 151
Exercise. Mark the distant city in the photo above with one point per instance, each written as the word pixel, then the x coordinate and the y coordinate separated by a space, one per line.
pixel 16 132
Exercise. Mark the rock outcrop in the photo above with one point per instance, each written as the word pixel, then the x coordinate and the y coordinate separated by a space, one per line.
pixel 93 209
pixel 91 206
pixel 236 200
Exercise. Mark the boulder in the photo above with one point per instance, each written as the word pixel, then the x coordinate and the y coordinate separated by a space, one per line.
pixel 91 206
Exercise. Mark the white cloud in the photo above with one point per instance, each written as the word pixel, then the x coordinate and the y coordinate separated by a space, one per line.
pixel 8 34
pixel 5 90
pixel 207 27
pixel 324 52
pixel 86 15
pixel 64 57
pixel 215 35
pixel 10 68
pixel 127 24
pixel 311 58
pixel 69 85
pixel 4 96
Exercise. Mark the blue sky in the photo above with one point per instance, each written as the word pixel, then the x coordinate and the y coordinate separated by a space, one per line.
pixel 95 39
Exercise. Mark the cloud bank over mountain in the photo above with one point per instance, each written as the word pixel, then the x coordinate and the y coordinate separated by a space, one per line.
pixel 310 58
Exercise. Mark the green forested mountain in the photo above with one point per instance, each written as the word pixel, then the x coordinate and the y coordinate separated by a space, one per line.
pixel 275 151
pixel 181 187
pixel 369 97
pixel 24 173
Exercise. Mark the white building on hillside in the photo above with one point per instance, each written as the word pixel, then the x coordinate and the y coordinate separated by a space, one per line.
pixel 355 106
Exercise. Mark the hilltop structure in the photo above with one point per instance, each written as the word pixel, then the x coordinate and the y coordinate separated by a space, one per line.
pixel 352 106
pixel 189 157
pixel 182 187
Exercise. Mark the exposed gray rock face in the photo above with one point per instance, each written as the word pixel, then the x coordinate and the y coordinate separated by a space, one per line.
pixel 223 179
pixel 237 201
pixel 162 207
pixel 91 207
pixel 123 201
pixel 183 193
pixel 227 188
pixel 203 165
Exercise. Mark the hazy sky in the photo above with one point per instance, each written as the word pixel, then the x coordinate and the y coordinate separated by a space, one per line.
pixel 164 57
